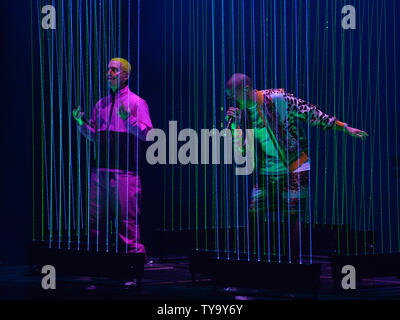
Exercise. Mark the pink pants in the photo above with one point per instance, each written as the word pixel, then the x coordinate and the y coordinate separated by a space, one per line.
pixel 117 228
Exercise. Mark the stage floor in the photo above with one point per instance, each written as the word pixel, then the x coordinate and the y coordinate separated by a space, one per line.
pixel 171 280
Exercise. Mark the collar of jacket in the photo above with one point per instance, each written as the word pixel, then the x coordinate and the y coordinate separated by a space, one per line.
pixel 269 114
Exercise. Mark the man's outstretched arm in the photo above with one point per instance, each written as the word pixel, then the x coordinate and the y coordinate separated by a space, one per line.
pixel 309 112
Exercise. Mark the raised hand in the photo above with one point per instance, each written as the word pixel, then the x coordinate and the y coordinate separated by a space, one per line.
pixel 78 115
pixel 357 133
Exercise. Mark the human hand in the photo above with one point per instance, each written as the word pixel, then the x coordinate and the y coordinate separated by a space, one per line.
pixel 237 137
pixel 78 115
pixel 357 133
pixel 233 113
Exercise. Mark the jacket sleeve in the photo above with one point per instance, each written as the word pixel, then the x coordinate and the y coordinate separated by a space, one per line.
pixel 88 130
pixel 309 112
pixel 140 124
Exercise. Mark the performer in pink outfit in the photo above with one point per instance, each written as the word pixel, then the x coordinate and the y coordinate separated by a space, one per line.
pixel 118 123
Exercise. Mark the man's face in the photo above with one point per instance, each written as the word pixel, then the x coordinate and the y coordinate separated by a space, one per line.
pixel 115 75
